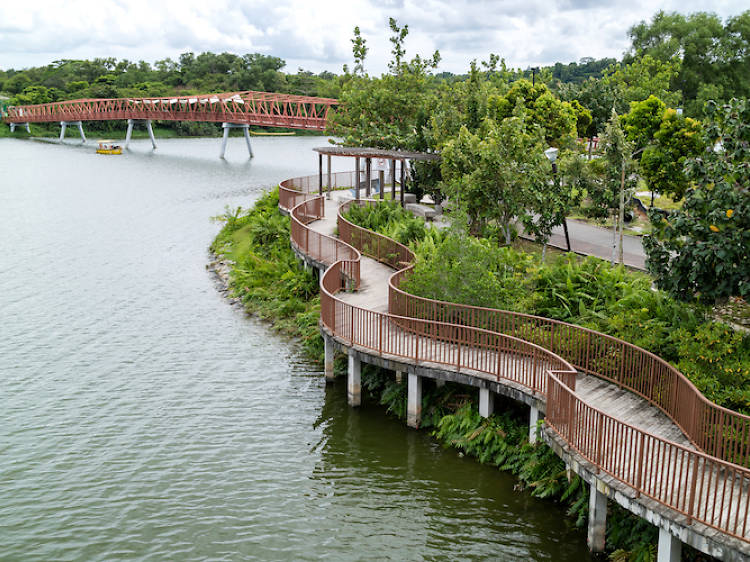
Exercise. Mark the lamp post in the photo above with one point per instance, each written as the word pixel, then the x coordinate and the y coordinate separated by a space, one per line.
pixel 551 154
pixel 534 70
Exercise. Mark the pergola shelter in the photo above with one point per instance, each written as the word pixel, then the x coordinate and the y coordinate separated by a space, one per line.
pixel 368 154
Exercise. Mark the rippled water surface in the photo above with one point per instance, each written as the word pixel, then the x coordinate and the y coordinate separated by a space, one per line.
pixel 142 417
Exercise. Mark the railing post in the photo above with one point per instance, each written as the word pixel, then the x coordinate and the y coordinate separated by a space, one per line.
pixel 693 482
pixel 351 327
pixel 458 344
pixel 380 334
pixel 639 481
pixel 599 439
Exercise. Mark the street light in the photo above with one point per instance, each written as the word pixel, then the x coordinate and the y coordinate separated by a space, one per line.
pixel 551 154
pixel 534 70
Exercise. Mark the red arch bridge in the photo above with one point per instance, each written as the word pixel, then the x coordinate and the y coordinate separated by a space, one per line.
pixel 232 109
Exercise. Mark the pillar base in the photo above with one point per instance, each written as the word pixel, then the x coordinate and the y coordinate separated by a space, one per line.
pixel 486 402
pixel 597 517
pixel 533 420
pixel 414 403
pixel 328 360
pixel 354 381
pixel 246 130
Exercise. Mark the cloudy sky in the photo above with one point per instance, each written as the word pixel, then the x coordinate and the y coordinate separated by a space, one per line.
pixel 315 34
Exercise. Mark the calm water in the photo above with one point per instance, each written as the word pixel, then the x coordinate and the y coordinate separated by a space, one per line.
pixel 142 417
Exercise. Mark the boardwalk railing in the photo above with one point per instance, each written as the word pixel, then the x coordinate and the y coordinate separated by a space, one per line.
pixel 254 108
pixel 710 487
pixel 697 485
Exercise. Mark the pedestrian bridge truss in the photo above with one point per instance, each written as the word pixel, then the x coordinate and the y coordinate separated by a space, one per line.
pixel 625 420
pixel 246 108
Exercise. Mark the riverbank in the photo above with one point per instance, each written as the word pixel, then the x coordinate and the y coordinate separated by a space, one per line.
pixel 450 411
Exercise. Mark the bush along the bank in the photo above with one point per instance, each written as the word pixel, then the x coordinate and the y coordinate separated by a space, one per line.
pixel 265 274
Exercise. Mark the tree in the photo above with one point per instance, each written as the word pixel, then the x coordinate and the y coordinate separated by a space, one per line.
pixel 359 49
pixel 614 185
pixel 713 57
pixel 662 164
pixel 642 77
pixel 700 250
pixel 493 175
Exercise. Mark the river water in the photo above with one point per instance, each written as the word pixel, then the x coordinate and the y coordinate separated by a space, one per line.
pixel 143 417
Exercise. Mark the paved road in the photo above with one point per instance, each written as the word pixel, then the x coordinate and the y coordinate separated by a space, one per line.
pixel 597 241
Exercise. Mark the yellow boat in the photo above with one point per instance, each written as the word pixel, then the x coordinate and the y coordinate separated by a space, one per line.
pixel 108 147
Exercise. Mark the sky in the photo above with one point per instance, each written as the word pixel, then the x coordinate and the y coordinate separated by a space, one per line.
pixel 316 34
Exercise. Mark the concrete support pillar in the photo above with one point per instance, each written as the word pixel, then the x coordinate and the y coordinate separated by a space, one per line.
pixel 80 130
pixel 597 517
pixel 226 127
pixel 28 128
pixel 399 377
pixel 246 130
pixel 670 547
pixel 149 128
pixel 128 133
pixel 151 134
pixel 414 402
pixel 354 381
pixel 14 125
pixel 533 419
pixel 224 142
pixel 328 359
pixel 486 402
pixel 63 125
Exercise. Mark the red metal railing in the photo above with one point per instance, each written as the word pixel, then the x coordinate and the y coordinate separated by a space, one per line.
pixel 502 344
pixel 697 485
pixel 252 108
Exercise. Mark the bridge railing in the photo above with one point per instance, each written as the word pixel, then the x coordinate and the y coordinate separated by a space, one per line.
pixel 711 490
pixel 699 486
pixel 257 108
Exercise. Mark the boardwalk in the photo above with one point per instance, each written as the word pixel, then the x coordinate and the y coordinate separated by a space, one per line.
pixel 648 454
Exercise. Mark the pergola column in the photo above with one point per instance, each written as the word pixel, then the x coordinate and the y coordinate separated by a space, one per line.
pixel 329 176
pixel 356 177
pixel 368 176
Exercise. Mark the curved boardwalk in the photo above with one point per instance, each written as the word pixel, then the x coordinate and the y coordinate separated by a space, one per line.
pixel 630 424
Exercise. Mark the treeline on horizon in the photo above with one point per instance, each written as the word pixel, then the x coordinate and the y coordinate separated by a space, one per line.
pixel 699 56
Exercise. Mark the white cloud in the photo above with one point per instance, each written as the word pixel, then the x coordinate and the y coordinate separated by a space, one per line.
pixel 316 35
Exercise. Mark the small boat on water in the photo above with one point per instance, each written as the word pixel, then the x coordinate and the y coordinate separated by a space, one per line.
pixel 108 147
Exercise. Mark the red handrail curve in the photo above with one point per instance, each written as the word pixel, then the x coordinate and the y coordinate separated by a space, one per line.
pixel 247 107
pixel 707 489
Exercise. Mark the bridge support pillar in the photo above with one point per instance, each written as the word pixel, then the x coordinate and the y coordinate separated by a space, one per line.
pixel 354 381
pixel 414 401
pixel 64 125
pixel 399 377
pixel 245 128
pixel 670 547
pixel 328 359
pixel 150 130
pixel 597 517
pixel 486 402
pixel 14 125
pixel 533 420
